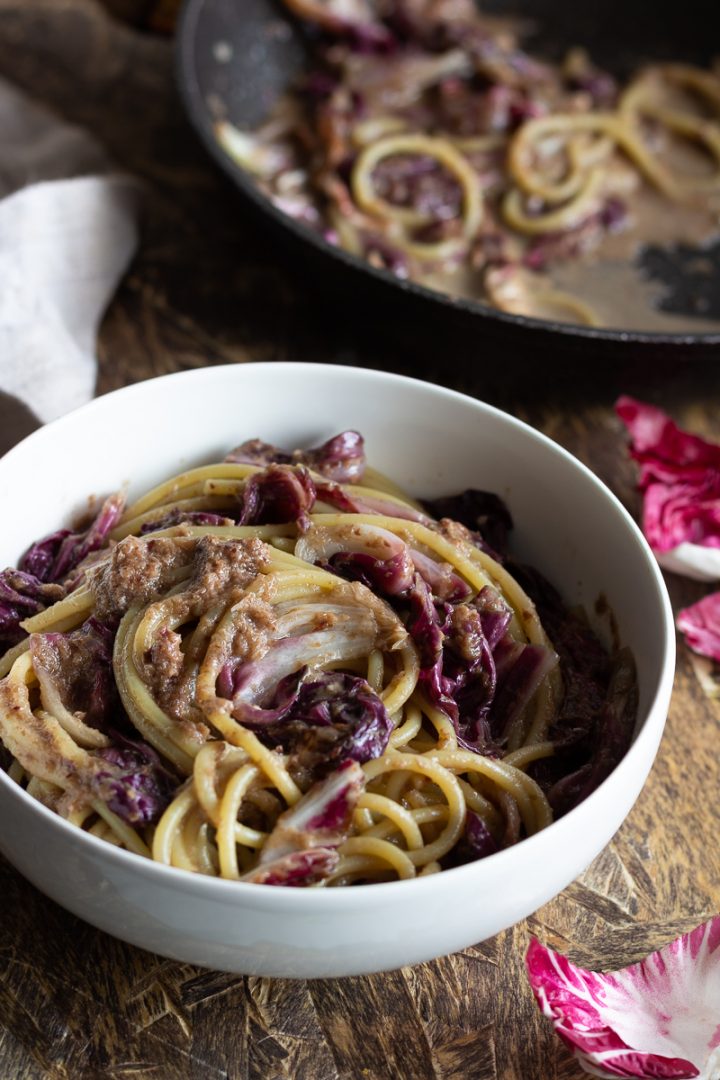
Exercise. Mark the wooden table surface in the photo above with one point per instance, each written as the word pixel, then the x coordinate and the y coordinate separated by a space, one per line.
pixel 210 285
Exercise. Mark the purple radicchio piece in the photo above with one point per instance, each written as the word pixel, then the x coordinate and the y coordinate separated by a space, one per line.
pixel 476 842
pixel 457 663
pixel 680 481
pixel 277 495
pixel 21 595
pixel 136 786
pixel 366 553
pixel 442 580
pixel 520 669
pixel 420 182
pixel 700 623
pixel 386 577
pixel 55 556
pixel 332 717
pixel 316 825
pixel 483 512
pixel 76 668
pixel 341 459
pixel 185 517
pixel 355 20
pixel 299 869
pixel 347 503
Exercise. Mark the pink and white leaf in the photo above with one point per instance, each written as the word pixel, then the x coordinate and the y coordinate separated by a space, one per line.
pixel 321 818
pixel 700 623
pixel 680 480
pixel 658 1018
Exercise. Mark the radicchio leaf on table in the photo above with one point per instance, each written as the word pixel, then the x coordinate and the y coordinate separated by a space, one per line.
pixel 680 480
pixel 657 1018
pixel 700 623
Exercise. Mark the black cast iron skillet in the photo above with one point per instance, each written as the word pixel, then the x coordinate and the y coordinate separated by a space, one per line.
pixel 236 57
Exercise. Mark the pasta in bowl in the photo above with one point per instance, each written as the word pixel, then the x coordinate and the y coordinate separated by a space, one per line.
pixel 294 676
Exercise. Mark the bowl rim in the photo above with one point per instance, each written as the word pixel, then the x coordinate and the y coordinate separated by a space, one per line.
pixel 645 743
pixel 194 102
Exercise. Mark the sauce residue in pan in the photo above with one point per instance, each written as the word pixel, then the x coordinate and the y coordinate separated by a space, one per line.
pixel 438 149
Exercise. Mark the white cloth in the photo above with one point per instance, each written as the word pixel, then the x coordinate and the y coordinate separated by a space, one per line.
pixel 66 238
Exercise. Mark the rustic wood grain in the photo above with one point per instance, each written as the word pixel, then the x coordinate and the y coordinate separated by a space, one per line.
pixel 213 285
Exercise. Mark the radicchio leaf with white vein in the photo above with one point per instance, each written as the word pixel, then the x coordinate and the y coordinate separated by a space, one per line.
pixel 680 481
pixel 656 1018
pixel 700 623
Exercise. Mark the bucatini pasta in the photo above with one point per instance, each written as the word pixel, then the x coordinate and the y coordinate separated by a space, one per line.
pixel 424 139
pixel 280 669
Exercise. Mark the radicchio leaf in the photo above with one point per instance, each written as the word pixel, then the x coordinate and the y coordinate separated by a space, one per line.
pixel 341 459
pixel 680 480
pixel 21 595
pixel 277 495
pixel 137 786
pixel 350 503
pixel 700 623
pixel 457 665
pixel 333 717
pixel 365 553
pixel 185 517
pixel 656 1018
pixel 52 558
pixel 321 818
pixel 385 577
pixel 77 666
pixel 299 869
pixel 300 850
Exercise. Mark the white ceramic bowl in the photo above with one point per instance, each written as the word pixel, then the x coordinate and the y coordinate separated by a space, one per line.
pixel 434 442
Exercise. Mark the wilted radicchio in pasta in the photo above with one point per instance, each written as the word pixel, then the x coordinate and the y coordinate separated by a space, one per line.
pixel 185 517
pixel 387 577
pixel 332 717
pixel 300 850
pixel 52 558
pixel 77 667
pixel 21 595
pixel 137 786
pixel 476 842
pixel 341 459
pixel 355 504
pixel 680 480
pixel 470 667
pixel 657 1018
pixel 277 495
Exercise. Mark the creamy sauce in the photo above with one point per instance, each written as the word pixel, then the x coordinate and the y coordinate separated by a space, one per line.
pixel 624 299
pixel 592 271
